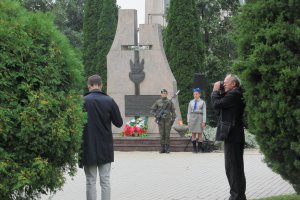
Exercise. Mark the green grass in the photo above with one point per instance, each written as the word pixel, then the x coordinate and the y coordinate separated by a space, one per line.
pixel 284 197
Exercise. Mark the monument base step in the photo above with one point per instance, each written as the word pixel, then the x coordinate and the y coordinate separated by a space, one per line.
pixel 150 143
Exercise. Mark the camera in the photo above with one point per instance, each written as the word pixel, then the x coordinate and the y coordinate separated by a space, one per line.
pixel 222 88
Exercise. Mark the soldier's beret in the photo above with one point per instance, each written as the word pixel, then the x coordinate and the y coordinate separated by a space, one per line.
pixel 163 90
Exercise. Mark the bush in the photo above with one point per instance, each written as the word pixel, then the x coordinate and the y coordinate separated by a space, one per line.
pixel 210 134
pixel 269 60
pixel 41 114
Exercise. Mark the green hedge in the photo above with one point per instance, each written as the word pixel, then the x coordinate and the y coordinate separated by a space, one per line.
pixel 41 116
pixel 268 38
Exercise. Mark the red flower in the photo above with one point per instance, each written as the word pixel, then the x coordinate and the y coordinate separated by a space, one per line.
pixel 130 130
pixel 127 130
pixel 135 128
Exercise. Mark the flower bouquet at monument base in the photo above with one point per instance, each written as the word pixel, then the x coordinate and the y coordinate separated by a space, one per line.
pixel 136 127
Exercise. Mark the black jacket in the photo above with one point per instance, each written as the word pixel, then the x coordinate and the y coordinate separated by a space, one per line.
pixel 231 109
pixel 97 147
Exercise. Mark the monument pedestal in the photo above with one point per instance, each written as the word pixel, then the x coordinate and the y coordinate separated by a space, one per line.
pixel 150 143
pixel 178 143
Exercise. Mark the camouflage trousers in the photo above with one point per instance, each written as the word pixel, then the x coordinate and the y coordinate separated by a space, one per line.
pixel 164 127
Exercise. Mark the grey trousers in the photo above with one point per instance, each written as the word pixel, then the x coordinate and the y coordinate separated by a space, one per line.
pixel 91 178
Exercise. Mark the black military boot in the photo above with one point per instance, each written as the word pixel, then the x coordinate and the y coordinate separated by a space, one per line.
pixel 200 147
pixel 194 146
pixel 167 148
pixel 162 149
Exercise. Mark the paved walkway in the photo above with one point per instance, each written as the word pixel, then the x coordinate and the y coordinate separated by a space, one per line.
pixel 178 176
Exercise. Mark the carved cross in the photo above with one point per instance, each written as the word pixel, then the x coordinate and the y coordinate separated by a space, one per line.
pixel 136 75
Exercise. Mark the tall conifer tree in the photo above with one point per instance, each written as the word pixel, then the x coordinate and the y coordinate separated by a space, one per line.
pixel 183 45
pixel 107 29
pixel 92 11
pixel 268 37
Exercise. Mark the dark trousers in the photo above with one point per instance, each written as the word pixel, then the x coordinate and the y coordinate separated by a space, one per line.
pixel 234 166
pixel 164 127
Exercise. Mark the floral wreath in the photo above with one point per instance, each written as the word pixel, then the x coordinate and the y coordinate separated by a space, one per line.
pixel 136 127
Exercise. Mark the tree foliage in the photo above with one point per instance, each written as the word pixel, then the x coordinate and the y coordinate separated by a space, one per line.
pixel 69 19
pixel 215 26
pixel 41 114
pixel 92 13
pixel 38 5
pixel 106 34
pixel 183 46
pixel 100 23
pixel 268 38
pixel 68 15
pixel 219 49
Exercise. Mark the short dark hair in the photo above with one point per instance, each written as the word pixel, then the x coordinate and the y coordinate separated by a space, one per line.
pixel 94 80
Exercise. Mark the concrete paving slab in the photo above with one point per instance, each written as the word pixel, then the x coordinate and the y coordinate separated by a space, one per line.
pixel 178 176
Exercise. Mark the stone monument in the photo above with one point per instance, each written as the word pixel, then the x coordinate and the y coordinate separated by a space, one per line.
pixel 155 11
pixel 137 70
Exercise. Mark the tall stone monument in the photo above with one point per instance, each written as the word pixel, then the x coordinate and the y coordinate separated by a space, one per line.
pixel 138 70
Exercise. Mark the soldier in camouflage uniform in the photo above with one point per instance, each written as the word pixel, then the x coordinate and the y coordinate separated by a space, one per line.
pixel 164 110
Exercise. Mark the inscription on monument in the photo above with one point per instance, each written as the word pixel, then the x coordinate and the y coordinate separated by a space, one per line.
pixel 139 105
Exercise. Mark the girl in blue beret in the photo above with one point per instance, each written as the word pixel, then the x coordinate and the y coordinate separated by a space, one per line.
pixel 196 119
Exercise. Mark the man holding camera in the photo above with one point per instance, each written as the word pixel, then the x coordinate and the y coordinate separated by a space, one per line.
pixel 228 100
pixel 164 111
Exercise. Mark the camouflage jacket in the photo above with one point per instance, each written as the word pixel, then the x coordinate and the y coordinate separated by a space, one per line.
pixel 158 106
